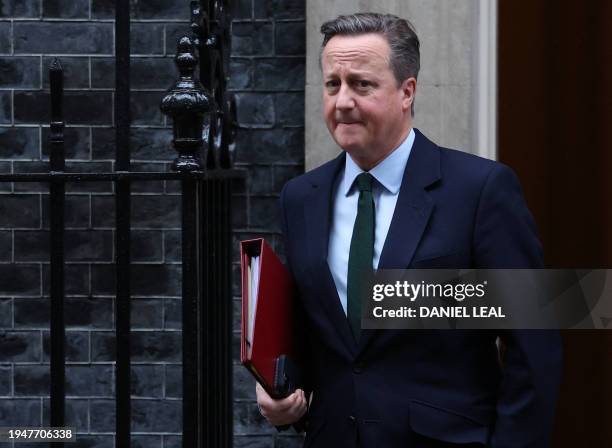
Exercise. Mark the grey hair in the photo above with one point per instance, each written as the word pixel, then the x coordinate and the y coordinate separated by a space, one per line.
pixel 399 33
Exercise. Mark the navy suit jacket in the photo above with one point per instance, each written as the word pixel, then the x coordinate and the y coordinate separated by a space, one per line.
pixel 423 388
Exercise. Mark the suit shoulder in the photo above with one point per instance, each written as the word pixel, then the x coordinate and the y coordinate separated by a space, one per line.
pixel 299 185
pixel 465 166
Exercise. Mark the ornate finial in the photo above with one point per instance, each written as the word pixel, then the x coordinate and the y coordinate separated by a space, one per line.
pixel 186 103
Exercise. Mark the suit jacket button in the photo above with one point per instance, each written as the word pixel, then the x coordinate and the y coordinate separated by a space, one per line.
pixel 351 419
pixel 358 367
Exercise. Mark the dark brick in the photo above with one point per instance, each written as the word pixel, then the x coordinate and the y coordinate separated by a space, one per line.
pixel 156 211
pixel 146 38
pixel 174 31
pixel 282 174
pixel 160 10
pixel 20 71
pixel 89 167
pixel 289 109
pixel 156 280
pixel 5 380
pixel 260 179
pixel 79 245
pixel 174 381
pixel 172 245
pixel 241 74
pixel 95 441
pixel 76 71
pixel 239 212
pixel 103 346
pixel 19 413
pixel 21 279
pixel 32 313
pixel 244 384
pixel 255 109
pixel 102 416
pixel 89 381
pixel 31 167
pixel 148 187
pixel 5 37
pixel 156 416
pixel 279 74
pixel 79 108
pixel 236 314
pixel 76 211
pixel 66 9
pixel 77 37
pixel 280 9
pixel 77 346
pixel 146 245
pixel 142 441
pixel 76 143
pixel 5 167
pixel 89 245
pixel 173 315
pixel 32 245
pixel 102 9
pixel 19 9
pixel 31 380
pixel 6 108
pixel 19 346
pixel 76 414
pixel 241 441
pixel 290 38
pixel 252 38
pixel 265 213
pixel 89 313
pixel 76 279
pixel 6 313
pixel 242 9
pixel 270 145
pixel 173 442
pixel 144 109
pixel 145 144
pixel 145 73
pixel 103 211
pixel 162 346
pixel 147 313
pixel 289 441
pixel 146 346
pixel 147 381
pixel 19 143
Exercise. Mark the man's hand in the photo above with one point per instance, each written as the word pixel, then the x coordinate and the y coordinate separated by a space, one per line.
pixel 285 411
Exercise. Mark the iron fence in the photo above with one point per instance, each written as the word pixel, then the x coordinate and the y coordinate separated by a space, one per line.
pixel 203 116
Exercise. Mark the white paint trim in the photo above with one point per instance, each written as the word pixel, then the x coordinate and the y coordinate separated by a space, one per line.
pixel 485 124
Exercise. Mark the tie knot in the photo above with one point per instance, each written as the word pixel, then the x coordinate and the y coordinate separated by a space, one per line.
pixel 364 182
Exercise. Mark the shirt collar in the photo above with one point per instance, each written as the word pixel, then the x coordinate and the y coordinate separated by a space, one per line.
pixel 388 172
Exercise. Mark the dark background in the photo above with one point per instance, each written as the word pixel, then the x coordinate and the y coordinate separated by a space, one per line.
pixel 555 117
pixel 267 75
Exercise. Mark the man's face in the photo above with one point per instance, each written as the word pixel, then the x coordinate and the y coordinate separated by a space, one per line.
pixel 365 110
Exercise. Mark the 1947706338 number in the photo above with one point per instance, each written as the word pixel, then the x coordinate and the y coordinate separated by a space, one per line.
pixel 37 434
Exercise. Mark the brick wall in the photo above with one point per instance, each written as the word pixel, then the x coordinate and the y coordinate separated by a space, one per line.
pixel 267 74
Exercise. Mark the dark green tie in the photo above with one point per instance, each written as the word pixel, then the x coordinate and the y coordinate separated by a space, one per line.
pixel 361 252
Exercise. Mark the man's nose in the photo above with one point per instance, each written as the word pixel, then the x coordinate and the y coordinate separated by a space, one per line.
pixel 345 100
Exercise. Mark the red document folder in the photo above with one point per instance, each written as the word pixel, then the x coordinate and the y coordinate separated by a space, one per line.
pixel 267 324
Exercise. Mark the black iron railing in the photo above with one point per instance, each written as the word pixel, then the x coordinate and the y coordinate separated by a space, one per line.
pixel 203 115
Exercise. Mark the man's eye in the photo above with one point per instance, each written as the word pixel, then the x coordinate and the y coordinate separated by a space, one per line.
pixel 332 84
pixel 363 84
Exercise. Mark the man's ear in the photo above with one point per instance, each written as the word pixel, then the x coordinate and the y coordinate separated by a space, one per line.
pixel 409 90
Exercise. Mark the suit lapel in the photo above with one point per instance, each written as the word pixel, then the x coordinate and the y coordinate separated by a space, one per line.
pixel 412 211
pixel 317 210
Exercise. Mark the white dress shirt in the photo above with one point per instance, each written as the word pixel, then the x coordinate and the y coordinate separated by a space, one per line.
pixel 385 189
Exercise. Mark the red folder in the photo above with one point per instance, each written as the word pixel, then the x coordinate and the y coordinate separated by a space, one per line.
pixel 270 345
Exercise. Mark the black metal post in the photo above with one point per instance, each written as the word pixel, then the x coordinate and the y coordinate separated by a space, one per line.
pixel 122 225
pixel 56 199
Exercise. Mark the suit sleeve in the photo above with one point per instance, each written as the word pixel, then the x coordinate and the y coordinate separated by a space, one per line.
pixel 505 237
pixel 301 332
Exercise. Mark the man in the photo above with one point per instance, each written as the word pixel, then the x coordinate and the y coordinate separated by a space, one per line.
pixel 397 200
